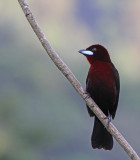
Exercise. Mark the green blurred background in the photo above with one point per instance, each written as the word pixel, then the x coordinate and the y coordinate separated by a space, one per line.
pixel 41 115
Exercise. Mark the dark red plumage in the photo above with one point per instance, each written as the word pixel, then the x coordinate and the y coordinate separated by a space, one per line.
pixel 103 85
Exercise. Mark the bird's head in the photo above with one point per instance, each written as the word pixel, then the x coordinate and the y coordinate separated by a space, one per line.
pixel 96 53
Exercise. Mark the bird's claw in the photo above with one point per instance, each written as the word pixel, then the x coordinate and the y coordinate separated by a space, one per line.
pixel 87 95
pixel 109 120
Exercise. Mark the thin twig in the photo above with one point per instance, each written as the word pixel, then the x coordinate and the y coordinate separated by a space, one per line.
pixel 69 75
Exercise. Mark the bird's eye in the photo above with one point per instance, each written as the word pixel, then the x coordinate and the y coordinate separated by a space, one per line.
pixel 94 49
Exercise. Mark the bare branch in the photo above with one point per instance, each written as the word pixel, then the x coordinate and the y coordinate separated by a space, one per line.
pixel 69 75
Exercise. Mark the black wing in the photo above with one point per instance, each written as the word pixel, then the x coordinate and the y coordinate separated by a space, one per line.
pixel 117 83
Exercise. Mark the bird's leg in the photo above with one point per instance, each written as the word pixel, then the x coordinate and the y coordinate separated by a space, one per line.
pixel 109 120
pixel 87 95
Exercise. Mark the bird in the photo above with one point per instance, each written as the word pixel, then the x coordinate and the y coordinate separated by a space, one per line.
pixel 103 86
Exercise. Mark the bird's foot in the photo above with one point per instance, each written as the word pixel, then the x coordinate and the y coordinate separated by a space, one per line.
pixel 109 120
pixel 87 95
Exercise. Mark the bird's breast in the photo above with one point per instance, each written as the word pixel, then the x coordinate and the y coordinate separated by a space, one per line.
pixel 102 73
pixel 101 81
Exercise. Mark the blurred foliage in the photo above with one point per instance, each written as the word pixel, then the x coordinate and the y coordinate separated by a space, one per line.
pixel 41 115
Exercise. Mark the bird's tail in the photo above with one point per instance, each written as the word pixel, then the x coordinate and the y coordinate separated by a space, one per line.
pixel 101 138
